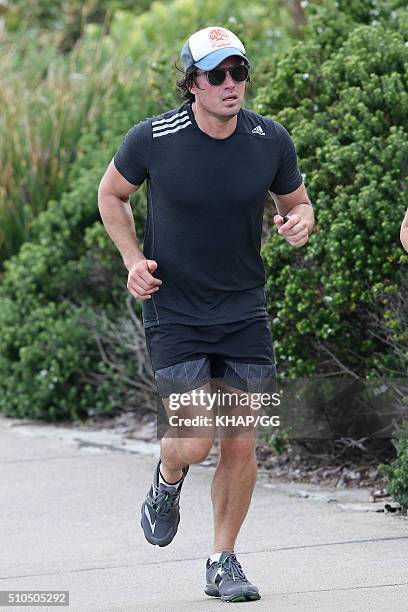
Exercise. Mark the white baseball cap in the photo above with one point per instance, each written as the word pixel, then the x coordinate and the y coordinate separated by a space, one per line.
pixel 209 47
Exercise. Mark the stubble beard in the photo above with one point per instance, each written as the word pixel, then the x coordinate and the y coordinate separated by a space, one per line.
pixel 223 117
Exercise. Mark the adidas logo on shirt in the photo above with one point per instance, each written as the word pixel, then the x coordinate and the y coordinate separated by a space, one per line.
pixel 258 130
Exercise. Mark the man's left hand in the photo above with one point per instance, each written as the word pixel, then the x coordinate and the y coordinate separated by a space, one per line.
pixel 294 231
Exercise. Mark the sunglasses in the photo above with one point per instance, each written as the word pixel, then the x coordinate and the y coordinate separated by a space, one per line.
pixel 218 75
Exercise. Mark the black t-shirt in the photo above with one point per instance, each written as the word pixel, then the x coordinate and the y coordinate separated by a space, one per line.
pixel 206 199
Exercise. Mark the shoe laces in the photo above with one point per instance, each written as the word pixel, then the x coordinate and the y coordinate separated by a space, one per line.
pixel 164 501
pixel 233 568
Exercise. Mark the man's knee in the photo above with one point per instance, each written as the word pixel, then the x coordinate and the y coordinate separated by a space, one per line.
pixel 238 449
pixel 195 450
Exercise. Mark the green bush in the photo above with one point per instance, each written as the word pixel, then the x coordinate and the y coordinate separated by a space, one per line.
pixel 47 102
pixel 54 281
pixel 339 305
pixel 397 471
pixel 347 110
pixel 42 360
pixel 67 17
pixel 387 322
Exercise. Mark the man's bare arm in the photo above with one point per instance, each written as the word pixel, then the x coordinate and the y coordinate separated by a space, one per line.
pixel 404 232
pixel 116 212
pixel 117 216
pixel 301 222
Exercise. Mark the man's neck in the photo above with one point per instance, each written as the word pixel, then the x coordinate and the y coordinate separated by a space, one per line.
pixel 213 126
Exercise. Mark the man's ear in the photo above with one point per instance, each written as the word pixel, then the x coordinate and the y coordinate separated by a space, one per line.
pixel 193 87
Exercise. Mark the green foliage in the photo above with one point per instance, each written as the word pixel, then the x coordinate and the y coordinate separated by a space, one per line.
pixel 261 25
pixel 278 440
pixel 333 20
pixel 45 349
pixel 41 365
pixel 397 471
pixel 47 101
pixel 387 321
pixel 347 111
pixel 67 17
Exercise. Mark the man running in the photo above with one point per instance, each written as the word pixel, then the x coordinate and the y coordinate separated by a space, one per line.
pixel 209 165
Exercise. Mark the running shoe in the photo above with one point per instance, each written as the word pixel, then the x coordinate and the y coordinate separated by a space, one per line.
pixel 226 579
pixel 161 511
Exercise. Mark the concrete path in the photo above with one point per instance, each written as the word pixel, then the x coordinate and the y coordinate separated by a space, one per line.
pixel 69 520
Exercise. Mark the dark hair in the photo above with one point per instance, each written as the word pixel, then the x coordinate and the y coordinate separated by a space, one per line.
pixel 185 83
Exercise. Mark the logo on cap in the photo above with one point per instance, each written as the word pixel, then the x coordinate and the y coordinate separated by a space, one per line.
pixel 218 34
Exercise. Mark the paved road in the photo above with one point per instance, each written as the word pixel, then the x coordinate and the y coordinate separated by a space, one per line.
pixel 69 520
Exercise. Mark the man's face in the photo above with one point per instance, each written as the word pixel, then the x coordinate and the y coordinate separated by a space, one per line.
pixel 223 101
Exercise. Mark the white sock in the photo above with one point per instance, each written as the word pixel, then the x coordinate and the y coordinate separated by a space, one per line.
pixel 173 485
pixel 216 556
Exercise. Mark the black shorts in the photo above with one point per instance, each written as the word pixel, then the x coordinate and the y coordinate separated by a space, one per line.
pixel 185 357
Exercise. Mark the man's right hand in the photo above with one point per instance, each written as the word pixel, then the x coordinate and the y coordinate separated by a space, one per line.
pixel 141 283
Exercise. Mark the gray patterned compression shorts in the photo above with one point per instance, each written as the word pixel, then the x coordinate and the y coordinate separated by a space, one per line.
pixel 185 357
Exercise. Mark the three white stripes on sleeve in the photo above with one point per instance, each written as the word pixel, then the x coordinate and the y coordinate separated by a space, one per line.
pixel 176 122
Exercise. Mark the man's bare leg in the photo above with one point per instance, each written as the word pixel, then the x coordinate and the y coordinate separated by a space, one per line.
pixel 235 475
pixel 231 489
pixel 231 493
pixel 182 445
pixel 177 452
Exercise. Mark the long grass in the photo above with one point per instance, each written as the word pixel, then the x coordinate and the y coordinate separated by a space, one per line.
pixel 46 101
